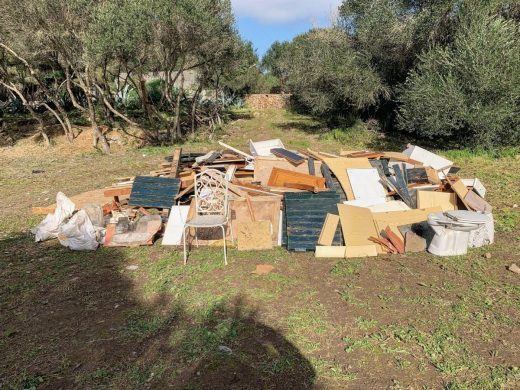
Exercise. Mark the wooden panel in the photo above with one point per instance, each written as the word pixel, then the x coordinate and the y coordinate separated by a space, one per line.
pixel 329 230
pixel 461 190
pixel 407 217
pixel 447 201
pixel 292 157
pixel 357 225
pixel 157 192
pixel 264 166
pixel 279 177
pixel 120 191
pixel 339 167
pixel 176 158
pixel 265 208
pixel 361 251
pixel 332 252
pixel 305 214
pixel 80 200
pixel 254 236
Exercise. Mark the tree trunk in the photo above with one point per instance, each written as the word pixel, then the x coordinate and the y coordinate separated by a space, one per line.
pixel 194 106
pixel 177 121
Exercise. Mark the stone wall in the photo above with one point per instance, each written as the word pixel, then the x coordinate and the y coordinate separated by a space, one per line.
pixel 262 101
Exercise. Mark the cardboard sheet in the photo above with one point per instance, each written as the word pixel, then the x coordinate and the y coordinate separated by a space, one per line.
pixel 339 167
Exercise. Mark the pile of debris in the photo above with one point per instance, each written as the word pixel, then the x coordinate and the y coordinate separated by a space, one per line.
pixel 354 204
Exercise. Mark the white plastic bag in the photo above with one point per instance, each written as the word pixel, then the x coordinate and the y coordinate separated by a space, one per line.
pixel 79 234
pixel 50 226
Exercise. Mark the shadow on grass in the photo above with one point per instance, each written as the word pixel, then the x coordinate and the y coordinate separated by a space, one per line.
pixel 76 320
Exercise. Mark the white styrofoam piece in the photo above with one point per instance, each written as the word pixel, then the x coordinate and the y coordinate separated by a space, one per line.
pixel 175 225
pixel 429 159
pixel 263 148
pixel 366 183
pixel 365 202
pixel 477 185
pixel 280 229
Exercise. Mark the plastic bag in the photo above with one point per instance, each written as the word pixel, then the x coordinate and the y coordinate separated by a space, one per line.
pixel 79 234
pixel 50 226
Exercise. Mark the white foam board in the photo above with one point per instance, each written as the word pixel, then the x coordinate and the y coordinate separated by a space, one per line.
pixel 175 225
pixel 366 183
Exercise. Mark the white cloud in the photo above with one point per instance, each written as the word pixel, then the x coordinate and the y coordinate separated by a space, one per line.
pixel 284 11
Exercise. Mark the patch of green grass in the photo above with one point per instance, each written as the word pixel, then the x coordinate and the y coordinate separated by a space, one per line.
pixel 346 268
pixel 365 324
pixel 352 344
pixel 142 324
pixel 332 371
pixel 507 220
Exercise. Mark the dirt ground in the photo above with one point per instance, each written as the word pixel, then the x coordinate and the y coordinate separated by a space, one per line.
pixel 85 320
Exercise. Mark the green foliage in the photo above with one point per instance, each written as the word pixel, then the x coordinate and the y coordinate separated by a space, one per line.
pixel 327 76
pixel 469 91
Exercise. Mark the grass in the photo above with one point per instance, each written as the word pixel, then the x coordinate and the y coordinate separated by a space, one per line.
pixel 82 320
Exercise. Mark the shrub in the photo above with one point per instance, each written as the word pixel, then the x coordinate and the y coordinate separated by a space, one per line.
pixel 469 91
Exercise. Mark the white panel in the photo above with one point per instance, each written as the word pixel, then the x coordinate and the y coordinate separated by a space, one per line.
pixel 176 221
pixel 366 183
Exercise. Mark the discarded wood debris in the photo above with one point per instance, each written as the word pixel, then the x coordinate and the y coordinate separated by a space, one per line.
pixel 350 204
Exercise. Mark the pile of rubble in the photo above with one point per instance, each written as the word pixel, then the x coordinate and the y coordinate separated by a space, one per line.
pixel 351 204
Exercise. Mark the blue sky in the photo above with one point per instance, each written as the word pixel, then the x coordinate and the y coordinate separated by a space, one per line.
pixel 265 21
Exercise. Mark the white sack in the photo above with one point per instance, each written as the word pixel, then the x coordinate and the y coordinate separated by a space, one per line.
pixel 50 226
pixel 79 234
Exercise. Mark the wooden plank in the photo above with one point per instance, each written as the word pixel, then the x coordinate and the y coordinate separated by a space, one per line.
pixel 329 230
pixel 401 186
pixel 357 225
pixel 461 190
pixel 176 158
pixel 292 157
pixel 312 167
pixel 361 251
pixel 395 240
pixel 339 167
pixel 80 200
pixel 331 252
pixel 281 176
pixel 120 191
pixel 477 203
pixel 447 201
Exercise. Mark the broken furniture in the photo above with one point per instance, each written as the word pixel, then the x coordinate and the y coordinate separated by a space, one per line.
pixel 211 206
